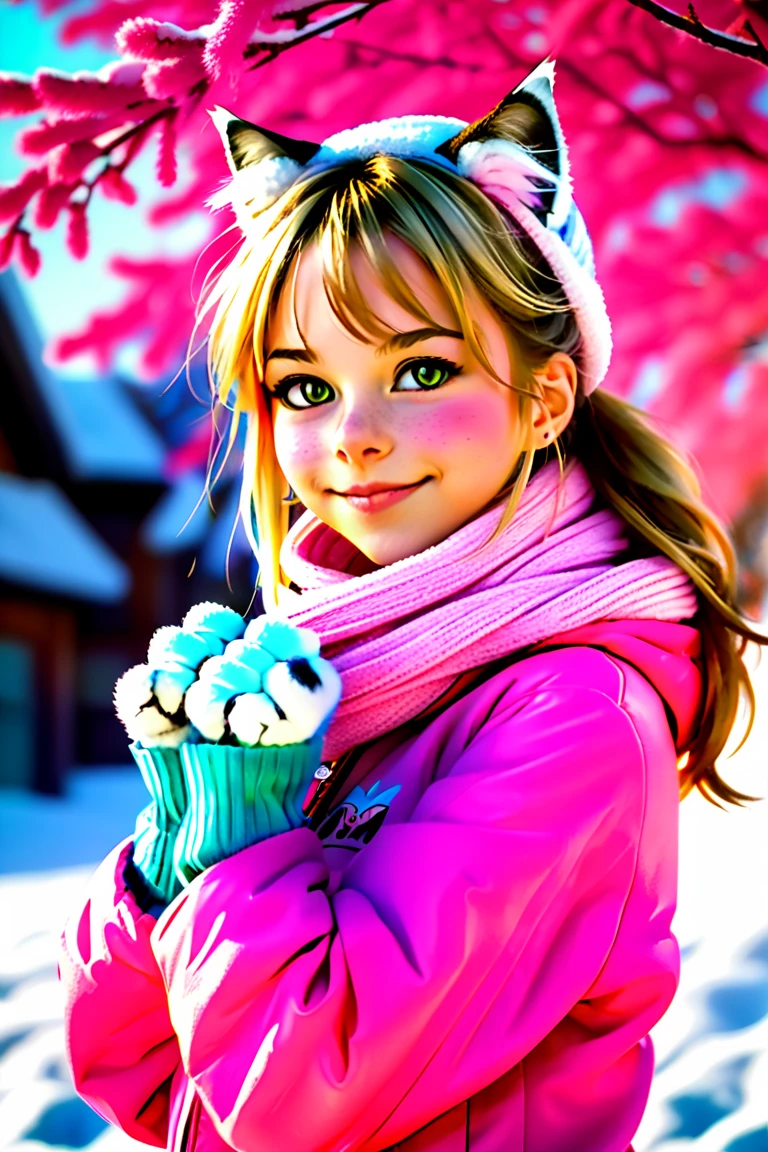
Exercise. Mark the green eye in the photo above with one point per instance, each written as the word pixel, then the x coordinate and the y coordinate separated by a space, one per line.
pixel 314 392
pixel 303 392
pixel 430 373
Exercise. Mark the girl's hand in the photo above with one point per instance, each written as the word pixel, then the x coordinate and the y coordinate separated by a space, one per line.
pixel 149 698
pixel 270 688
pixel 267 700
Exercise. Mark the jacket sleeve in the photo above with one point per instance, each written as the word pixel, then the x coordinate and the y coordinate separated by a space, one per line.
pixel 121 1047
pixel 454 944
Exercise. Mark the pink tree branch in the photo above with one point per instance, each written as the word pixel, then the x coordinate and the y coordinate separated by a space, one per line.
pixel 95 124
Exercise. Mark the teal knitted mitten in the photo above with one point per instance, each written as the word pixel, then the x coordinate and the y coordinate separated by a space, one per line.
pixel 239 796
pixel 157 825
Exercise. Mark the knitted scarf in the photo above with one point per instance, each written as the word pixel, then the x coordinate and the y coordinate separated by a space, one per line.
pixel 399 636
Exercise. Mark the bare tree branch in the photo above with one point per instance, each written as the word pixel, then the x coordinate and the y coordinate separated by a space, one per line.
pixel 272 44
pixel 753 49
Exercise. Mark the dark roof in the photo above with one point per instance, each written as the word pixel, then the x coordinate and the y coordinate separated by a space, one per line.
pixel 99 431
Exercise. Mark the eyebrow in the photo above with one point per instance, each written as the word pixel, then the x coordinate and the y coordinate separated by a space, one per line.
pixel 399 340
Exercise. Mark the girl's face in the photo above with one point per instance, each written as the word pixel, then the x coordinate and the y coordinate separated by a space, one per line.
pixel 416 410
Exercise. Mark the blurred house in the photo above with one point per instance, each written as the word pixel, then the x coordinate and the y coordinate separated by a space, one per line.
pixel 93 553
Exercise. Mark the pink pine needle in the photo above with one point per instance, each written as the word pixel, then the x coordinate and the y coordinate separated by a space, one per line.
pixel 114 186
pixel 166 153
pixel 77 231
pixel 82 93
pixel 147 39
pixel 17 96
pixel 223 56
pixel 7 245
pixel 29 257
pixel 66 163
pixel 174 79
pixel 15 197
pixel 42 137
pixel 50 203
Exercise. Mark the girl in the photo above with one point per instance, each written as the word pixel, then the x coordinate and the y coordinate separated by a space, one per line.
pixel 465 942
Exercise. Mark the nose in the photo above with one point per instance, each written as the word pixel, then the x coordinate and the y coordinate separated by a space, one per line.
pixel 362 433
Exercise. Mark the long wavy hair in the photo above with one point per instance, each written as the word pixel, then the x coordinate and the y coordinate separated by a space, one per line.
pixel 471 245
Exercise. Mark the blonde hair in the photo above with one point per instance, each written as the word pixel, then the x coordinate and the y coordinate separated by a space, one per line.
pixel 472 247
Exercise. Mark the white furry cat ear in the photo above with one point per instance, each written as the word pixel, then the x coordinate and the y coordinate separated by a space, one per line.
pixel 529 109
pixel 263 165
pixel 246 143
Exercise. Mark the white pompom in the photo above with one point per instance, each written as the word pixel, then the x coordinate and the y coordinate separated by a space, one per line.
pixel 170 682
pixel 251 714
pixel 211 667
pixel 284 641
pixel 249 654
pixel 135 705
pixel 204 704
pixel 160 645
pixel 132 691
pixel 307 691
pixel 210 617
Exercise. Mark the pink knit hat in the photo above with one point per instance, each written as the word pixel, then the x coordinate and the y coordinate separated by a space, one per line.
pixel 533 186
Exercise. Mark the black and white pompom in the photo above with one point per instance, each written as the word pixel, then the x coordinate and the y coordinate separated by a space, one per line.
pixel 252 697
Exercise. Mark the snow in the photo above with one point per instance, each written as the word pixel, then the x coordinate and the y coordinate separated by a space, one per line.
pixel 709 1090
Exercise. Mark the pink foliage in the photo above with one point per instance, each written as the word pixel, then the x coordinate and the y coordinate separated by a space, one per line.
pixel 114 186
pixel 8 243
pixel 147 39
pixel 77 231
pixel 166 153
pixel 15 197
pixel 66 163
pixel 50 203
pixel 174 79
pixel 659 126
pixel 229 37
pixel 17 95
pixel 40 138
pixel 78 95
pixel 159 302
pixel 29 257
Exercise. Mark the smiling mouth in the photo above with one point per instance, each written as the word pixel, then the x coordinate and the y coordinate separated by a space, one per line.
pixel 376 491
pixel 378 500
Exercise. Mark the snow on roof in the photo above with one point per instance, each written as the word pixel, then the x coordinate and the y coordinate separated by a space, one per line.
pixel 46 543
pixel 103 434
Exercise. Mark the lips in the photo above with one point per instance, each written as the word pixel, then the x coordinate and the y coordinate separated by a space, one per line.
pixel 374 489
pixel 376 501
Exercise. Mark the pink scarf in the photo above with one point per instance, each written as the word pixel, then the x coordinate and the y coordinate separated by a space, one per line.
pixel 399 636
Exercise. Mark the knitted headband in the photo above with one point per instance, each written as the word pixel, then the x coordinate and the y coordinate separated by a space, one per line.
pixel 534 187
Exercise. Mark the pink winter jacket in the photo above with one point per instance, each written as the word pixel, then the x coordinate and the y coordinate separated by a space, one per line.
pixel 468 953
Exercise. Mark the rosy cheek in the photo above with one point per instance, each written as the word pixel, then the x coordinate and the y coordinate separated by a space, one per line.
pixel 458 421
pixel 296 449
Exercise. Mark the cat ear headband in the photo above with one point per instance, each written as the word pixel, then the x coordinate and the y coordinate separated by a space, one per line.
pixel 533 186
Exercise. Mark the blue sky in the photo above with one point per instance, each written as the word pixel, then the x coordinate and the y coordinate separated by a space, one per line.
pixel 65 290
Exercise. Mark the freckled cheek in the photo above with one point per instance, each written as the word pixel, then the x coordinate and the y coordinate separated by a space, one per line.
pixel 460 422
pixel 298 451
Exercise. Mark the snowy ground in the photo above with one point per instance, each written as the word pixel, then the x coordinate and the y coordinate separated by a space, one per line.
pixel 710 1092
